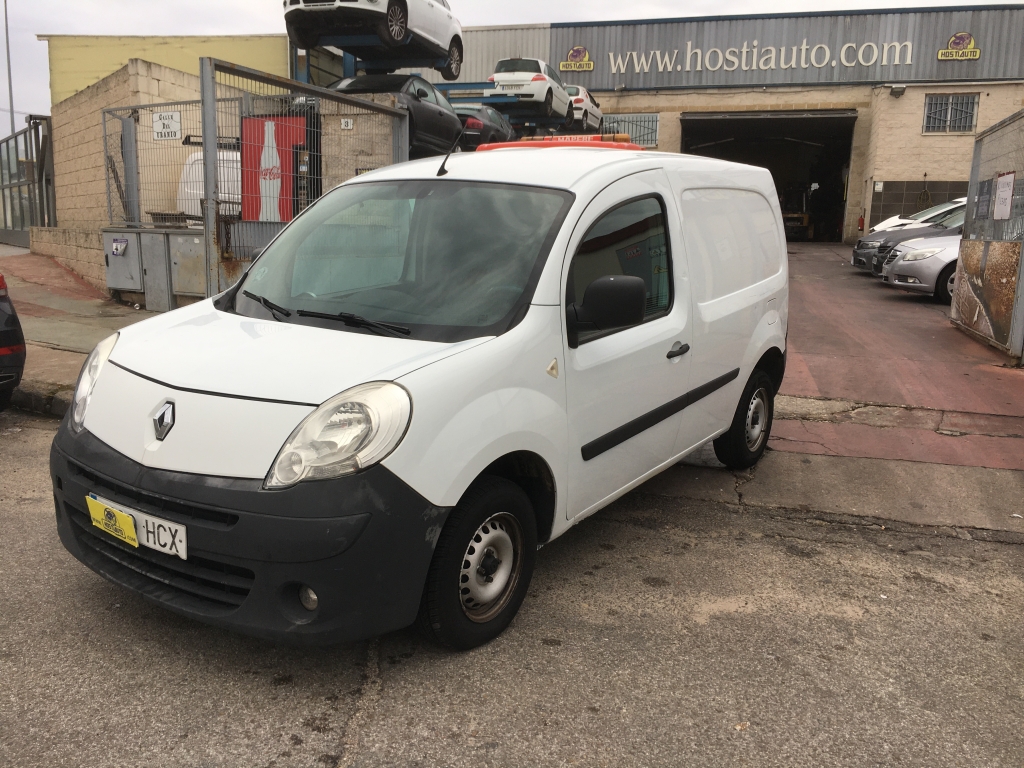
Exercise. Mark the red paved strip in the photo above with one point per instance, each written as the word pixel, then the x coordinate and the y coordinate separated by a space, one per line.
pixel 902 444
pixel 28 309
pixel 42 270
pixel 853 338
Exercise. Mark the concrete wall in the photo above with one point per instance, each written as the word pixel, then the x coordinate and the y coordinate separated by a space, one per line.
pixel 78 61
pixel 79 174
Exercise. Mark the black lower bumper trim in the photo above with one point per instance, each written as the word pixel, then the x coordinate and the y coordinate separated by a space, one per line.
pixel 362 543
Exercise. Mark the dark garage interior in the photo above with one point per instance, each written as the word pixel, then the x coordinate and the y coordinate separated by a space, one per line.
pixel 808 154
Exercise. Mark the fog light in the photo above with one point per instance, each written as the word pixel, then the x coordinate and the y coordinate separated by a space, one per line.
pixel 308 598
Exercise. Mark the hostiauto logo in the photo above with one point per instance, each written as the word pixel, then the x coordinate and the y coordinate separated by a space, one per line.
pixel 961 47
pixel 577 60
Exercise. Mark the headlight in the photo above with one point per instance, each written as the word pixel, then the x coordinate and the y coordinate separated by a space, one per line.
pixel 870 243
pixel 922 253
pixel 350 432
pixel 87 381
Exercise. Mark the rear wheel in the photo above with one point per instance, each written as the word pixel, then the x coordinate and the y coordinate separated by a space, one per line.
pixel 395 26
pixel 586 122
pixel 5 398
pixel 745 442
pixel 549 104
pixel 482 565
pixel 570 117
pixel 944 284
pixel 453 68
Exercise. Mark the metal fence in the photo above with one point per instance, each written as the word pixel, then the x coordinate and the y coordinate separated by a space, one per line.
pixel 26 182
pixel 237 165
pixel 989 297
pixel 642 129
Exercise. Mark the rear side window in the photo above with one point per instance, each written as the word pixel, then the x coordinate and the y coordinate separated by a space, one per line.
pixel 732 235
pixel 630 239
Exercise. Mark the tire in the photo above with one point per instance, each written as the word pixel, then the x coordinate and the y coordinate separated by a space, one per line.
pixel 461 608
pixel 745 442
pixel 453 68
pixel 570 117
pixel 586 122
pixel 394 28
pixel 5 398
pixel 944 284
pixel 549 104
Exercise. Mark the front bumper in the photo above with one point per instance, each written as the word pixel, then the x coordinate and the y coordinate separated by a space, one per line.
pixel 916 276
pixel 862 257
pixel 362 543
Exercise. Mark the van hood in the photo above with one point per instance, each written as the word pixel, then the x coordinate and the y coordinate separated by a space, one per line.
pixel 202 349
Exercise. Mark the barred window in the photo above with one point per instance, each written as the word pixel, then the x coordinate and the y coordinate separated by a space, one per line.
pixel 950 112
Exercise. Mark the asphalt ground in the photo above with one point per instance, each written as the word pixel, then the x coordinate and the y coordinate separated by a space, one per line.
pixel 663 631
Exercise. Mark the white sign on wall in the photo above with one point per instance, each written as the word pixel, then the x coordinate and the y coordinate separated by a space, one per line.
pixel 1004 196
pixel 166 126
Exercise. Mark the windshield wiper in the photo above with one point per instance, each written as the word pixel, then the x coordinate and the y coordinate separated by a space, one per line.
pixel 359 322
pixel 274 308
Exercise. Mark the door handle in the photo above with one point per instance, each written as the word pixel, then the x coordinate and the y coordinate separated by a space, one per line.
pixel 678 351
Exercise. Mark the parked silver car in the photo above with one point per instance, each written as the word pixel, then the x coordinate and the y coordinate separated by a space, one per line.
pixel 925 265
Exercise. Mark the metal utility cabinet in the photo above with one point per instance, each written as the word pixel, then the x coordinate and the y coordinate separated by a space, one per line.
pixel 162 263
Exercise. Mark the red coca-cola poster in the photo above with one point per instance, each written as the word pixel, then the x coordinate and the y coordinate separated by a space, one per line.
pixel 268 172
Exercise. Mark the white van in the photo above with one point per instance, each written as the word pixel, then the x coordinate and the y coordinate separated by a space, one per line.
pixel 420 381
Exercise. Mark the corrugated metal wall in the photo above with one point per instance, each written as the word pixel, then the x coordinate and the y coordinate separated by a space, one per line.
pixel 831 48
pixel 484 46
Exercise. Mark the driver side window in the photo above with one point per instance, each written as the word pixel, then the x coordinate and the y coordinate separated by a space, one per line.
pixel 630 239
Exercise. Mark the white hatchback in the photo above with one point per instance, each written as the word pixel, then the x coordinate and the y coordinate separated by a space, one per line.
pixel 587 111
pixel 421 380
pixel 535 85
pixel 407 29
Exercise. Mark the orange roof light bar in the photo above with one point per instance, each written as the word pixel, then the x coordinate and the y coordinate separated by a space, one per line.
pixel 609 141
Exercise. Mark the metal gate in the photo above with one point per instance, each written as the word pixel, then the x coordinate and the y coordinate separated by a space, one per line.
pixel 205 185
pixel 642 129
pixel 26 182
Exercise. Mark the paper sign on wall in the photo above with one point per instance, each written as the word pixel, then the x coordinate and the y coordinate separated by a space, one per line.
pixel 1004 196
pixel 166 126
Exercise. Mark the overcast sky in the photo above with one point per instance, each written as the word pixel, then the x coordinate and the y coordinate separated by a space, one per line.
pixel 29 18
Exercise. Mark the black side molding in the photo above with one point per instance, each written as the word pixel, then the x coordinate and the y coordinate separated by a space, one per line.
pixel 640 424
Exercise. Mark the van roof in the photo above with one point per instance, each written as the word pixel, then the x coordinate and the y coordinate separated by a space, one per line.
pixel 557 166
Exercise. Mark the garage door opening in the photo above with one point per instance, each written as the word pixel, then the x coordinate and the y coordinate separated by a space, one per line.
pixel 808 154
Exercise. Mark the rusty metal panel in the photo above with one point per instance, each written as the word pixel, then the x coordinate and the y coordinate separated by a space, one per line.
pixel 796 49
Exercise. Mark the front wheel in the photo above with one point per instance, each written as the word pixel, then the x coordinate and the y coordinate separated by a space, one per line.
pixel 745 442
pixel 395 26
pixel 453 68
pixel 944 284
pixel 482 565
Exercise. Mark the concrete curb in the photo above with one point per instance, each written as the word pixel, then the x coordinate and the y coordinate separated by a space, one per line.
pixel 43 398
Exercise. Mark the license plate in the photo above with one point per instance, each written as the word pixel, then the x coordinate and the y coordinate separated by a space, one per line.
pixel 511 87
pixel 137 528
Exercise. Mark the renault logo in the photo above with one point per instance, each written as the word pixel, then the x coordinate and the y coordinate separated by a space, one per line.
pixel 163 422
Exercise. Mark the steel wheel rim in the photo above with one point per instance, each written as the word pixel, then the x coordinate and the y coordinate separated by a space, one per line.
pixel 456 60
pixel 491 568
pixel 396 23
pixel 951 282
pixel 757 420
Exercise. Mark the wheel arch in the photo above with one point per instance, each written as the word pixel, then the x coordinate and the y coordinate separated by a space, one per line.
pixel 532 473
pixel 773 362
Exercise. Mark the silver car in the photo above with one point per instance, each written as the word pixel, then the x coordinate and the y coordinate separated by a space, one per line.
pixel 924 265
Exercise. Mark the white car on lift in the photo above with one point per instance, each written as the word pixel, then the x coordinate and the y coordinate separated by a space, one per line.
pixel 535 85
pixel 586 110
pixel 420 380
pixel 407 29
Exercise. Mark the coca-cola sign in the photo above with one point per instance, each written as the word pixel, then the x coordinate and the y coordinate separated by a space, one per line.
pixel 269 147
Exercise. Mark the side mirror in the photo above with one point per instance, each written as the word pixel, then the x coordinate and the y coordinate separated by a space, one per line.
pixel 421 93
pixel 612 301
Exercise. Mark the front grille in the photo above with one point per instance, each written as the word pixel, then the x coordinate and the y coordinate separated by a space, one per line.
pixel 891 258
pixel 198 582
pixel 175 511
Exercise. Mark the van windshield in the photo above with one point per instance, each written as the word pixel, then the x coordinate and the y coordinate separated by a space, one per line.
pixel 444 260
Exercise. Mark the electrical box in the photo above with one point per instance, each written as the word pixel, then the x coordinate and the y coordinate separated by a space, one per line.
pixel 121 253
pixel 188 263
pixel 156 271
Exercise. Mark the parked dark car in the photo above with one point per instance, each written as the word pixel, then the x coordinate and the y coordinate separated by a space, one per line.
pixel 12 347
pixel 484 125
pixel 433 127
pixel 886 253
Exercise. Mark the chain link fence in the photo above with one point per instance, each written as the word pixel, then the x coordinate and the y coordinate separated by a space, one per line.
pixel 989 299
